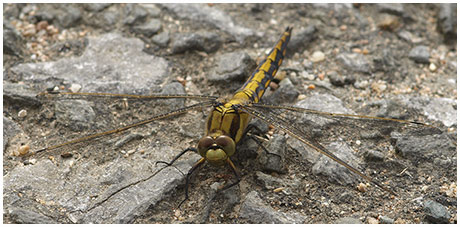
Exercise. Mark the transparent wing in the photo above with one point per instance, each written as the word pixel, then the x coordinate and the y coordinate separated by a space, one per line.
pixel 317 129
pixel 78 119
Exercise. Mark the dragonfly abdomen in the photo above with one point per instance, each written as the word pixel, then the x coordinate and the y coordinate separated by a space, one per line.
pixel 255 86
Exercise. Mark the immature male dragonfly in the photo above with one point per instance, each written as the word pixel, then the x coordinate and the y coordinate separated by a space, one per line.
pixel 228 121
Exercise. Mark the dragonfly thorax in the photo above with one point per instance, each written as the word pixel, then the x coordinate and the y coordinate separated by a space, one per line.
pixel 216 149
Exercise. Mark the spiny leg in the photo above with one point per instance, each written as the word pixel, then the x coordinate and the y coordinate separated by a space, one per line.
pixel 178 156
pixel 237 175
pixel 252 127
pixel 187 178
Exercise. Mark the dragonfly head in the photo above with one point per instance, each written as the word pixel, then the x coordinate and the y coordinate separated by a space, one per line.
pixel 216 150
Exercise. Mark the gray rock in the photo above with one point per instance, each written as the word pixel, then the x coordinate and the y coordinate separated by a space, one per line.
pixel 161 39
pixel 255 211
pixel 11 11
pixel 128 138
pixel 204 41
pixel 435 212
pixel 334 6
pixel 20 94
pixel 70 17
pixel 234 66
pixel 87 196
pixel 76 114
pixel 96 7
pixel 391 8
pixel 109 18
pixel 437 109
pixel 149 28
pixel 22 216
pixel 13 44
pixel 202 13
pixel 274 161
pixel 10 129
pixel 348 220
pixel 110 63
pixel 333 170
pixel 300 40
pixel 385 63
pixel 269 182
pixel 405 35
pixel 423 147
pixel 386 220
pixel 152 10
pixel 134 13
pixel 340 80
pixel 447 21
pixel 173 89
pixel 286 93
pixel 355 62
pixel 390 109
pixel 420 54
pixel 323 103
pixel 374 156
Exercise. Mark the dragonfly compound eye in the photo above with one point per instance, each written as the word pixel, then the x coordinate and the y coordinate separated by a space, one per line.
pixel 204 144
pixel 227 144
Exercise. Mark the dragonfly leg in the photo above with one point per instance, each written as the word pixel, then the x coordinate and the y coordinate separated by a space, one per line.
pixel 261 145
pixel 187 178
pixel 177 156
pixel 252 127
pixel 237 175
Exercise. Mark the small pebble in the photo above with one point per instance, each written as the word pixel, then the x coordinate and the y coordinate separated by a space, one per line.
pixel 75 88
pixel 22 113
pixel 23 150
pixel 356 50
pixel 432 67
pixel 361 187
pixel 278 189
pixel 29 30
pixel 321 76
pixel 42 25
pixel 386 220
pixel 317 56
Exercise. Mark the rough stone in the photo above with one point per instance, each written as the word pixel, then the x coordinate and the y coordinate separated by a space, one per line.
pixel 286 93
pixel 76 114
pixel 255 211
pixel 300 40
pixel 333 170
pixel 234 66
pixel 447 20
pixel 70 17
pixel 22 216
pixel 435 212
pixel 149 28
pixel 348 220
pixel 13 44
pixel 355 62
pixel 420 54
pixel 204 13
pixel 205 41
pixel 134 14
pixel 110 63
pixel 96 7
pixel 161 39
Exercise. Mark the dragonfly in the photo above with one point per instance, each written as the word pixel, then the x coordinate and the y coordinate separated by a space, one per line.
pixel 229 120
